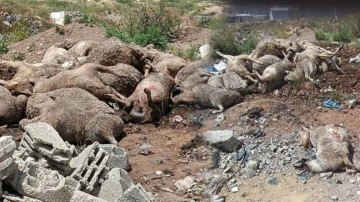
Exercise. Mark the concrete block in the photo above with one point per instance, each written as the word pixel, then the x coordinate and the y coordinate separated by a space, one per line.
pixel 13 198
pixel 37 182
pixel 122 176
pixel 223 139
pixel 7 148
pixel 118 157
pixel 44 139
pixel 110 190
pixel 136 194
pixel 91 166
pixel 80 196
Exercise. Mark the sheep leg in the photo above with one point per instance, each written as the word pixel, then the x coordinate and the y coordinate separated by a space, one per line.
pixel 221 109
pixel 228 57
pixel 252 79
pixel 17 92
pixel 149 99
pixel 253 60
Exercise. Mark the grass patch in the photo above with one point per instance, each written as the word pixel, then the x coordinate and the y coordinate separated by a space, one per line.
pixel 3 46
pixel 147 24
pixel 337 96
pixel 321 36
pixel 224 40
pixel 297 83
pixel 18 32
pixel 343 36
pixel 189 54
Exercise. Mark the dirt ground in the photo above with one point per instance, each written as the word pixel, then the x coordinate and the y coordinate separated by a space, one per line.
pixel 169 139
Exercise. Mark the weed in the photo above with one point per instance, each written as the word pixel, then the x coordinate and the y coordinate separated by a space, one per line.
pixel 67 19
pixel 145 25
pixel 321 36
pixel 223 40
pixel 342 36
pixel 337 96
pixel 3 46
pixel 18 56
pixel 18 32
pixel 189 54
pixel 59 30
pixel 297 83
pixel 87 19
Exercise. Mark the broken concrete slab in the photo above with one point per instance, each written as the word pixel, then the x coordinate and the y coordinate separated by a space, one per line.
pixel 110 190
pixel 122 176
pixel 13 198
pixel 82 196
pixel 223 139
pixel 43 138
pixel 91 165
pixel 33 180
pixel 7 148
pixel 118 157
pixel 136 193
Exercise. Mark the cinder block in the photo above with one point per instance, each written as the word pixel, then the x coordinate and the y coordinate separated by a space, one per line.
pixel 136 194
pixel 118 157
pixel 80 196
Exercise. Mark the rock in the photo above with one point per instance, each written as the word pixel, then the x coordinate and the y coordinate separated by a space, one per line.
pixel 185 184
pixel 326 175
pixel 136 193
pixel 235 189
pixel 334 198
pixel 145 149
pixel 122 176
pixel 223 139
pixel 58 18
pixel 252 165
pixel 352 181
pixel 358 193
pixel 118 157
pixel 205 51
pixel 82 196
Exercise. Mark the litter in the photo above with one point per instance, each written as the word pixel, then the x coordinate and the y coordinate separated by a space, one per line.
pixel 331 104
pixel 217 68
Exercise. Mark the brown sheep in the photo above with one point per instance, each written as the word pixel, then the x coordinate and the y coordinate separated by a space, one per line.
pixel 11 108
pixel 273 76
pixel 332 148
pixel 242 65
pixel 75 114
pixel 85 77
pixel 205 95
pixel 190 68
pixel 151 97
pixel 266 61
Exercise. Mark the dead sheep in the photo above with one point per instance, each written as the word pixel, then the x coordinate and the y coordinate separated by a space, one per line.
pixel 165 63
pixel 85 77
pixel 27 74
pixel 57 55
pixel 11 108
pixel 151 97
pixel 273 76
pixel 205 95
pixel 332 148
pixel 124 85
pixel 242 65
pixel 228 81
pixel 190 68
pixel 275 47
pixel 266 61
pixel 75 114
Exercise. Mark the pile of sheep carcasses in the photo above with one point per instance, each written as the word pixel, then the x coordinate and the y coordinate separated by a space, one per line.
pixel 80 86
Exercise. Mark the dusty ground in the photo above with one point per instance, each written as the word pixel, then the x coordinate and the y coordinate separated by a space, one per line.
pixel 168 139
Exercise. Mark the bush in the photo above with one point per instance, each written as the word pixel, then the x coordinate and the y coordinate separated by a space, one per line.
pixel 223 40
pixel 18 32
pixel 321 36
pixel 3 46
pixel 342 36
pixel 189 54
pixel 146 25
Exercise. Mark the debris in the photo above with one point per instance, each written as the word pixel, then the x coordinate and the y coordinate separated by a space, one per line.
pixel 205 51
pixel 136 193
pixel 235 189
pixel 177 119
pixel 219 119
pixel 326 175
pixel 145 149
pixel 256 133
pixel 89 165
pixel 185 184
pixel 118 157
pixel 334 198
pixel 223 139
pixel 82 196
pixel 331 104
pixel 7 148
pixel 58 18
pixel 274 181
pixel 355 59
pixel 110 190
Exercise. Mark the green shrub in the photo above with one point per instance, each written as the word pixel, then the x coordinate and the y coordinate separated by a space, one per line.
pixel 18 32
pixel 145 25
pixel 321 36
pixel 342 36
pixel 67 19
pixel 3 46
pixel 223 40
pixel 189 54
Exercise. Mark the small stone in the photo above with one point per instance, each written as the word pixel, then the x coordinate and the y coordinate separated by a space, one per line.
pixel 334 198
pixel 358 193
pixel 352 181
pixel 159 172
pixel 326 175
pixel 235 189
pixel 285 147
pixel 288 159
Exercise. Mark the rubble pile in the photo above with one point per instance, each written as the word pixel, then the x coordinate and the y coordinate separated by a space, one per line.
pixel 45 168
